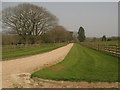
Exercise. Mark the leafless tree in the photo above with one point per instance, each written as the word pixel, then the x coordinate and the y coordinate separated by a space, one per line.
pixel 28 21
pixel 57 35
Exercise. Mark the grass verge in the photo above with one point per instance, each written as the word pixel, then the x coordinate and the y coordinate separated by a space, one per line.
pixel 10 52
pixel 82 64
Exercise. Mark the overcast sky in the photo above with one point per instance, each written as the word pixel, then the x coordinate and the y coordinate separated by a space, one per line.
pixel 97 18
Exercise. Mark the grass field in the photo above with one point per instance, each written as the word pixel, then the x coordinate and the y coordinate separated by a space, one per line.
pixel 109 47
pixel 10 51
pixel 82 64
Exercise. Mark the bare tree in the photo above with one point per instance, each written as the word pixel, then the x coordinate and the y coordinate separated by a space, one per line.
pixel 28 21
pixel 58 34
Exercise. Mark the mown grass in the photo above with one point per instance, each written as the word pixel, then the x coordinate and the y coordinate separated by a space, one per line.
pixel 83 64
pixel 10 51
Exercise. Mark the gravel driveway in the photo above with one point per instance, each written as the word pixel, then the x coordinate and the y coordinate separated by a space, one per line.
pixel 16 73
pixel 31 63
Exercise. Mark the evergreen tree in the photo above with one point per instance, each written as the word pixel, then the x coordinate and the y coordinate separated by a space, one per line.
pixel 104 38
pixel 81 34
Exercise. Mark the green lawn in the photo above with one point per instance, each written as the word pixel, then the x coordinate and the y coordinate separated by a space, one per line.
pixel 10 51
pixel 83 64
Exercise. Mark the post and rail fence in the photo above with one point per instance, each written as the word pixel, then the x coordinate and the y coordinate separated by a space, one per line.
pixel 111 49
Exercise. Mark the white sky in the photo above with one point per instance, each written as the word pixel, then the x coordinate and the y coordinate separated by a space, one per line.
pixel 97 18
pixel 60 0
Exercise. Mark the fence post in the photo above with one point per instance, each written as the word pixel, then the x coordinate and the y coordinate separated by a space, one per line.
pixel 116 50
pixel 98 46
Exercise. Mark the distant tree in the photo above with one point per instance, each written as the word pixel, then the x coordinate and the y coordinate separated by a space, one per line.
pixel 57 35
pixel 28 21
pixel 10 39
pixel 70 36
pixel 109 39
pixel 104 38
pixel 94 39
pixel 115 38
pixel 81 34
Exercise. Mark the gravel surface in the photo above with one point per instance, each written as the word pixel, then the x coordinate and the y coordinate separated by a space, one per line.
pixel 16 73
pixel 31 64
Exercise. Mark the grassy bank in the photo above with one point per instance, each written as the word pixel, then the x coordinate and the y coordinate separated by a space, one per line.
pixel 82 64
pixel 10 51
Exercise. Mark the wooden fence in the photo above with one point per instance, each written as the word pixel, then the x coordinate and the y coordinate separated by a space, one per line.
pixel 111 49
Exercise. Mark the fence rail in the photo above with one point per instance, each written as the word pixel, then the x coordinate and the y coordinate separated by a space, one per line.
pixel 111 49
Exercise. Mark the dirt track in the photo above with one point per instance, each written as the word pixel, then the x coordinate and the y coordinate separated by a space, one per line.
pixel 16 73
pixel 31 63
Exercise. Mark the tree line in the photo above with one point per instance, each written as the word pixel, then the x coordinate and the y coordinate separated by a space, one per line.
pixel 82 37
pixel 30 24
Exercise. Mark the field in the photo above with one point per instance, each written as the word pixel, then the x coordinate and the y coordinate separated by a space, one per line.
pixel 109 47
pixel 12 51
pixel 83 64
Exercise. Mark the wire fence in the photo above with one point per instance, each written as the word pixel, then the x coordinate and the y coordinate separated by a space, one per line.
pixel 111 49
